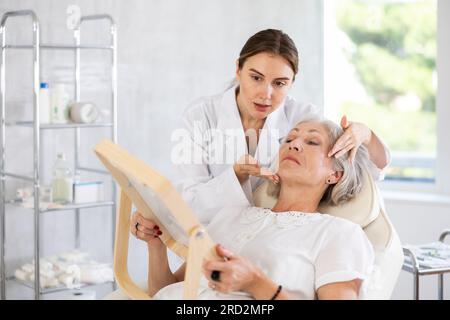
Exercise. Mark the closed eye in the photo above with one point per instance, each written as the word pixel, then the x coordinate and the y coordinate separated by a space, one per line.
pixel 310 142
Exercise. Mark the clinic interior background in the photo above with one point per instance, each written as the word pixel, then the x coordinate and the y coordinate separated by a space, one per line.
pixel 169 53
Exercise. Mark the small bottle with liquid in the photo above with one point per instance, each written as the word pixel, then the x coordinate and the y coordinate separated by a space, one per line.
pixel 62 182
pixel 60 100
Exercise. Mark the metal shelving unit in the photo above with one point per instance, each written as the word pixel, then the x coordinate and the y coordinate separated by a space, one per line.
pixel 36 47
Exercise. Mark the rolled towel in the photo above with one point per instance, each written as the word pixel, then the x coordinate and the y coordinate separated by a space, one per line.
pixel 21 275
pixel 74 271
pixel 52 282
pixel 45 282
pixel 94 274
pixel 68 280
pixel 28 268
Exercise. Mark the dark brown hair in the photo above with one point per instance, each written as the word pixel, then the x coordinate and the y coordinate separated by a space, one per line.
pixel 270 41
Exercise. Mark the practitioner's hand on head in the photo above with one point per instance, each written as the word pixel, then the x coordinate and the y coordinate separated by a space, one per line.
pixel 235 273
pixel 145 229
pixel 248 166
pixel 355 134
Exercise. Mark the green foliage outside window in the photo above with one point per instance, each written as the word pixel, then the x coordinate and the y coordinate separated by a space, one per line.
pixel 393 51
pixel 395 47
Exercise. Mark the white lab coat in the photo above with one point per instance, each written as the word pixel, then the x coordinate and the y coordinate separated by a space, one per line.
pixel 208 187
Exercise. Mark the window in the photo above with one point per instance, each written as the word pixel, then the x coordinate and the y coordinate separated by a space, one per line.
pixel 380 69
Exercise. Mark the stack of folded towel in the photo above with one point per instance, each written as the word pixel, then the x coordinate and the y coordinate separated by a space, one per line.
pixel 70 269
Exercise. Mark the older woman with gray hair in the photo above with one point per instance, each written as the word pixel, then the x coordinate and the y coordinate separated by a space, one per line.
pixel 290 251
pixel 352 170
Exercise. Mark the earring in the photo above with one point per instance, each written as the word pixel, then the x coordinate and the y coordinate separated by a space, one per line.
pixel 328 181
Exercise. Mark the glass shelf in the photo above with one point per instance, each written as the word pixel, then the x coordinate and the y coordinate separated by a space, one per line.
pixel 51 126
pixel 30 285
pixel 67 207
pixel 57 46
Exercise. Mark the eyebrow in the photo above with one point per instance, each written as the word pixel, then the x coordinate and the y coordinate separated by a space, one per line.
pixel 256 71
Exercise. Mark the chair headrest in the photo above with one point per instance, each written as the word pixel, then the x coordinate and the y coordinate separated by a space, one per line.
pixel 362 209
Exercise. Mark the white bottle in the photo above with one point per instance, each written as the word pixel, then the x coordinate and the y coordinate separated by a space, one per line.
pixel 83 112
pixel 62 182
pixel 60 99
pixel 44 103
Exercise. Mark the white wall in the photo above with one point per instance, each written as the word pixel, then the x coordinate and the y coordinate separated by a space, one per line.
pixel 170 52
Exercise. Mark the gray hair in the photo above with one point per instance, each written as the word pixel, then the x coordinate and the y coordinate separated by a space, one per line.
pixel 352 178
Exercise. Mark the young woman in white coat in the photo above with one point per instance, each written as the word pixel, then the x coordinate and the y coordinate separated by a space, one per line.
pixel 249 120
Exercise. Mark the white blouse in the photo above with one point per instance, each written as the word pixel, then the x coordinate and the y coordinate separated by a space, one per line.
pixel 300 251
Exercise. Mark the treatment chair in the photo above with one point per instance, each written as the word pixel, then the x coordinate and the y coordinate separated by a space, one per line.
pixel 367 210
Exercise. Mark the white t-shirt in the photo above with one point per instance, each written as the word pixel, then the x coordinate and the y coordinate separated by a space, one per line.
pixel 300 251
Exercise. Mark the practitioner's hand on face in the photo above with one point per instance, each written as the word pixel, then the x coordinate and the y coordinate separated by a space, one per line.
pixel 145 229
pixel 248 166
pixel 355 134
pixel 236 272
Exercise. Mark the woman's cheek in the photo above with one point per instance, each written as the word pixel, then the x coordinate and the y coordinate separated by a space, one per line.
pixel 325 161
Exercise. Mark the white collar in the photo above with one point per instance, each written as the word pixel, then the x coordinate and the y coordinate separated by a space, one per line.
pixel 228 113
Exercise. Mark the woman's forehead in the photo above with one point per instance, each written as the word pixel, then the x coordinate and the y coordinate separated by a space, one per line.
pixel 271 65
pixel 311 127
